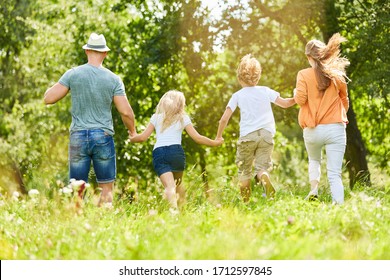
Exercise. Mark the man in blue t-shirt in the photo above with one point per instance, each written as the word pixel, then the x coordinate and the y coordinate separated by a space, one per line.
pixel 93 90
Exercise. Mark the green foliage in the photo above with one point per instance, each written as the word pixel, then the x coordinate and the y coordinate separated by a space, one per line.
pixel 160 45
pixel 366 25
pixel 15 36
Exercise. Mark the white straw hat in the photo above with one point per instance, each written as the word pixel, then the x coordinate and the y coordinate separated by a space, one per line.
pixel 96 43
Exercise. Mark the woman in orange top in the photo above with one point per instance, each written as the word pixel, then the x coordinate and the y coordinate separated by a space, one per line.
pixel 321 93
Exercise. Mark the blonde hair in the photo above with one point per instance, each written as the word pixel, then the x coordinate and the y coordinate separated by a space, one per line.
pixel 249 70
pixel 171 107
pixel 328 64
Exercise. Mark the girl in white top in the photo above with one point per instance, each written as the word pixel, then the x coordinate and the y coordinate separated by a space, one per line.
pixel 169 121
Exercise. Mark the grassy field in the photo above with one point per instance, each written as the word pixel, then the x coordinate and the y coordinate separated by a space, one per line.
pixel 287 227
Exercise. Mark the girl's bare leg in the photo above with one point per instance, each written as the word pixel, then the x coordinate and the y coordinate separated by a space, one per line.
pixel 180 191
pixel 168 180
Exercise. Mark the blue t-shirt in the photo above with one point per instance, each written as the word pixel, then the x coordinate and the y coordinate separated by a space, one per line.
pixel 92 90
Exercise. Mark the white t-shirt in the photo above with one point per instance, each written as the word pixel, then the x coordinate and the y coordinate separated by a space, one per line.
pixel 255 108
pixel 171 135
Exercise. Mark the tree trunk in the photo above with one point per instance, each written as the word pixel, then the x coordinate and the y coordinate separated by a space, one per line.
pixel 355 153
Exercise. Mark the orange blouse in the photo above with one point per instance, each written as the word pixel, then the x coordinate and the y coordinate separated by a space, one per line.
pixel 320 108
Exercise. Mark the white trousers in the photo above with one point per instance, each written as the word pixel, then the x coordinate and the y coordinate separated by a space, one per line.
pixel 334 138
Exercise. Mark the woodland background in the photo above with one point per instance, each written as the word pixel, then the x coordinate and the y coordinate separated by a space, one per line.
pixel 181 44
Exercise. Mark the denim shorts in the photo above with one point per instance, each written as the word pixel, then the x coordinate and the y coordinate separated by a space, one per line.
pixel 94 146
pixel 168 159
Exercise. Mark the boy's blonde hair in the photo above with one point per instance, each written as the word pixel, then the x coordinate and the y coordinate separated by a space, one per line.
pixel 249 71
pixel 329 65
pixel 171 107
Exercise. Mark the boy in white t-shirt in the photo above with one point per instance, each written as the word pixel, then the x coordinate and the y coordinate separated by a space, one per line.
pixel 257 126
pixel 169 121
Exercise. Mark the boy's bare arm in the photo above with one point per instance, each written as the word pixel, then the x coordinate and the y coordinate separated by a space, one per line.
pixel 223 122
pixel 285 102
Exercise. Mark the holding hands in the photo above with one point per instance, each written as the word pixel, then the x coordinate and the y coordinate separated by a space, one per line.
pixel 219 141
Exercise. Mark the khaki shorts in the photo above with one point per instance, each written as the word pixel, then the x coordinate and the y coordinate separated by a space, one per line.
pixel 254 149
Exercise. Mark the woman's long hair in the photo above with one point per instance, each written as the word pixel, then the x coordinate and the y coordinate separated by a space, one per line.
pixel 329 65
pixel 171 107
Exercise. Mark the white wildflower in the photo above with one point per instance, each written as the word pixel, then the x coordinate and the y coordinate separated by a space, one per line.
pixel 107 205
pixel 33 192
pixel 66 190
pixel 77 184
pixel 19 221
pixel 87 226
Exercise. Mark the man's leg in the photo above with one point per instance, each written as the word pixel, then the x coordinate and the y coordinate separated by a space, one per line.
pixel 104 164
pixel 106 195
pixel 79 163
pixel 79 159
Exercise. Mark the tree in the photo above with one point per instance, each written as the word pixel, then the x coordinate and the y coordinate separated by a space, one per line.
pixel 15 32
pixel 366 25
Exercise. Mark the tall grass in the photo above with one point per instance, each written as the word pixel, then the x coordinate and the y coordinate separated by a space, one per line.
pixel 218 227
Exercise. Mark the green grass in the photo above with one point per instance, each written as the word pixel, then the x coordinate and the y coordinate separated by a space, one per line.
pixel 287 227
